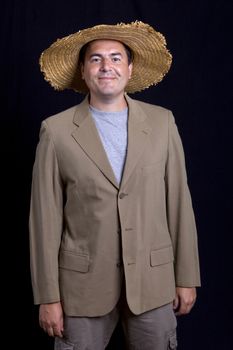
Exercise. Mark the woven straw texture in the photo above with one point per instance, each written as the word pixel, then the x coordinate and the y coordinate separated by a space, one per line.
pixel 151 58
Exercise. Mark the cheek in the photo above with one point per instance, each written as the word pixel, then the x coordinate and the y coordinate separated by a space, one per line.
pixel 90 73
pixel 86 75
pixel 126 73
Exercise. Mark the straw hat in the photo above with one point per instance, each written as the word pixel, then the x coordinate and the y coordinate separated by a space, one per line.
pixel 151 58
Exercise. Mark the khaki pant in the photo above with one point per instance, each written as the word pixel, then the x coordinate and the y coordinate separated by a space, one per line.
pixel 152 330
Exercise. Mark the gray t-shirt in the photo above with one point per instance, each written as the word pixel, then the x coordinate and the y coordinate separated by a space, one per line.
pixel 112 128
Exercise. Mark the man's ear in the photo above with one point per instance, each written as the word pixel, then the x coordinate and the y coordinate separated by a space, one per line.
pixel 82 70
pixel 130 69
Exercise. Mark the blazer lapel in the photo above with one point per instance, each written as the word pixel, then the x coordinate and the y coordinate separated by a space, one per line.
pixel 138 131
pixel 86 135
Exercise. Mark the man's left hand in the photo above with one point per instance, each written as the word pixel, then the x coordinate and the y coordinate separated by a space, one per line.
pixel 184 300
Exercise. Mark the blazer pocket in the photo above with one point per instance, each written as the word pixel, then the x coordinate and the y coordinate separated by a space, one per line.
pixel 161 256
pixel 73 261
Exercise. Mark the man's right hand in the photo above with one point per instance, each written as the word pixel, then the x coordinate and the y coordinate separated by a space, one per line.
pixel 51 319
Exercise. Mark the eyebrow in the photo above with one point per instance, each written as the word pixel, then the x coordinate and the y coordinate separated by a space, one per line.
pixel 111 54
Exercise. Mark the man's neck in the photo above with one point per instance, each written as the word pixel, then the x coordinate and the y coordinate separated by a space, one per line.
pixel 108 104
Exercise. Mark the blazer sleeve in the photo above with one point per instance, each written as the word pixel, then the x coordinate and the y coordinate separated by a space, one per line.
pixel 180 215
pixel 45 221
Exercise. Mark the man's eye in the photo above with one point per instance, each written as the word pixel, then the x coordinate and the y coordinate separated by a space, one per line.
pixel 95 59
pixel 116 59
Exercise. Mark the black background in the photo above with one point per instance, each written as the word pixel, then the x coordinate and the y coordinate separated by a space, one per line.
pixel 198 90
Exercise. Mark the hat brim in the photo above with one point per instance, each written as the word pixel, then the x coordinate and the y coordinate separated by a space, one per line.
pixel 151 59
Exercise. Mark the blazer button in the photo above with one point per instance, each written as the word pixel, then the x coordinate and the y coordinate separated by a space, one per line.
pixel 122 195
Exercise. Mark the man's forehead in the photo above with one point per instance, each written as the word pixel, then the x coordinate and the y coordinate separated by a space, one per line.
pixel 105 44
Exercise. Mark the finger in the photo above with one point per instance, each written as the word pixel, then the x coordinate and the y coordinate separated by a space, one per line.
pixel 184 308
pixel 175 303
pixel 50 331
pixel 58 332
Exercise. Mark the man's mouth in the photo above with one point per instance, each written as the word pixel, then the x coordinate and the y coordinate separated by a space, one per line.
pixel 106 77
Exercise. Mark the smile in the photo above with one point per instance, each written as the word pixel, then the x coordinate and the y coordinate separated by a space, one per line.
pixel 106 77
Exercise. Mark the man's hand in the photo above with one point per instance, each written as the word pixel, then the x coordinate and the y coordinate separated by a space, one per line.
pixel 184 301
pixel 51 319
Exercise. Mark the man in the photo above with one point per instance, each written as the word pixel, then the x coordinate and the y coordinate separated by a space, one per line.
pixel 112 231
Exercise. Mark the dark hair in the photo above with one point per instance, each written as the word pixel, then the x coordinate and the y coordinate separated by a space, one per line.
pixel 83 50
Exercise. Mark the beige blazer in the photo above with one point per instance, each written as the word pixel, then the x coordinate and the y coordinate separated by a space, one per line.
pixel 86 231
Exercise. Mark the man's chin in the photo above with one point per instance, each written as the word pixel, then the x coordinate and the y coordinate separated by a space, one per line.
pixel 107 92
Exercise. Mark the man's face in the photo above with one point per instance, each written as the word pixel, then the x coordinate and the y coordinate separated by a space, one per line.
pixel 106 69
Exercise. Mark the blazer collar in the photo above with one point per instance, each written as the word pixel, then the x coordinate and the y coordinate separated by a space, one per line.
pixel 138 131
pixel 86 135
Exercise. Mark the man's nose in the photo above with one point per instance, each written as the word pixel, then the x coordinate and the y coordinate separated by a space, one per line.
pixel 105 64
